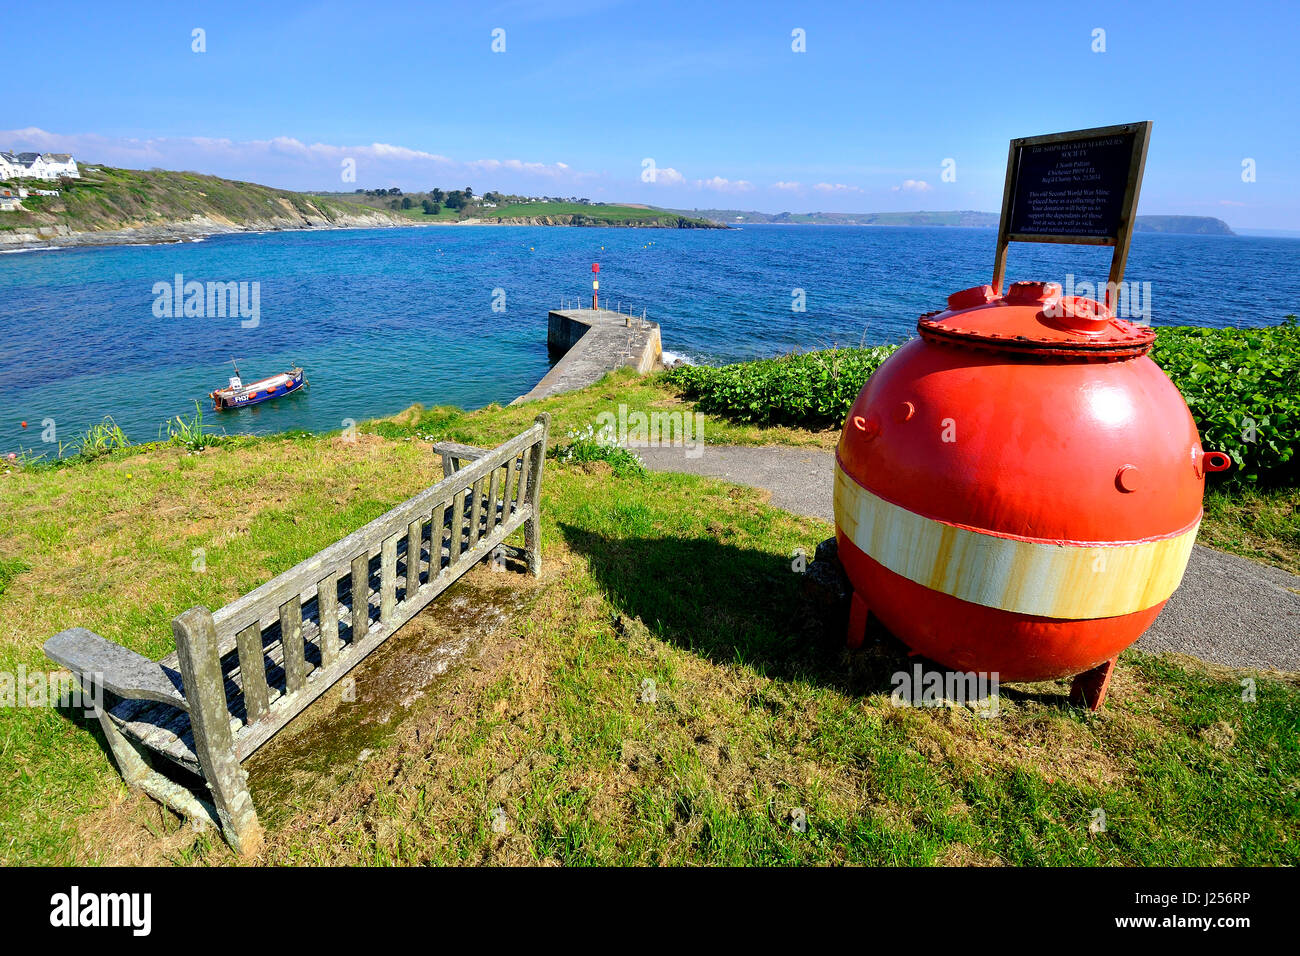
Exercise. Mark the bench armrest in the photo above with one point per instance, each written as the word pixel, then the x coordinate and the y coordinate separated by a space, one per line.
pixel 453 453
pixel 117 669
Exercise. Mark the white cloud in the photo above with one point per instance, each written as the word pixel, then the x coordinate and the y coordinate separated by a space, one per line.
pixel 667 176
pixel 286 161
pixel 836 188
pixel 789 187
pixel 913 186
pixel 725 185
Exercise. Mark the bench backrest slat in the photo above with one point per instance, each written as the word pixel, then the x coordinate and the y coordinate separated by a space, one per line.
pixel 414 549
pixel 388 578
pixel 252 668
pixel 494 499
pixel 327 613
pixel 295 658
pixel 358 580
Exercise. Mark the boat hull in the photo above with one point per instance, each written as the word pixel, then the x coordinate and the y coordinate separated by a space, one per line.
pixel 228 399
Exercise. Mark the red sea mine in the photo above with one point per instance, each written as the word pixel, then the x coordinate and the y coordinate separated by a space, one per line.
pixel 1017 491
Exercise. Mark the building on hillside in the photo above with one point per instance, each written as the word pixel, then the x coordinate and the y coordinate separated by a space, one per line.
pixel 10 201
pixel 38 166
pixel 61 164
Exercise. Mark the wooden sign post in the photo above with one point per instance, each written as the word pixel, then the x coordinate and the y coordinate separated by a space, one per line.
pixel 1077 187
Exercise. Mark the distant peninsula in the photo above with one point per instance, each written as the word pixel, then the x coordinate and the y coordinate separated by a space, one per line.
pixel 966 218
pixel 1183 225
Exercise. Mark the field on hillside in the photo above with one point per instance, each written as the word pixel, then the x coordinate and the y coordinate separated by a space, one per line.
pixel 611 213
pixel 665 693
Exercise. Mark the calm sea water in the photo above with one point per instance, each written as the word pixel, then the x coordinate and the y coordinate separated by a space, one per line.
pixel 383 318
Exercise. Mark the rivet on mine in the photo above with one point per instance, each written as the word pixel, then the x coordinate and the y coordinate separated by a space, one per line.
pixel 1127 478
pixel 904 412
pixel 869 427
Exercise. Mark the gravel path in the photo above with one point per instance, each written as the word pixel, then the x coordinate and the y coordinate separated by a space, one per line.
pixel 1229 610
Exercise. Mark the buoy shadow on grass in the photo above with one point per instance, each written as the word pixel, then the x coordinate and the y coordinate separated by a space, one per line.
pixel 733 604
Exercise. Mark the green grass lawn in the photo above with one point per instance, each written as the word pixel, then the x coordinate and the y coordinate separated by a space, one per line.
pixel 415 213
pixel 665 695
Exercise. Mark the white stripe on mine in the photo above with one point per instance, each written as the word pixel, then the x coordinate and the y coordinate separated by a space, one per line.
pixel 1068 581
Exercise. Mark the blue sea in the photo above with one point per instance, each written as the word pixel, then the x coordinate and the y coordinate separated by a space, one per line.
pixel 383 318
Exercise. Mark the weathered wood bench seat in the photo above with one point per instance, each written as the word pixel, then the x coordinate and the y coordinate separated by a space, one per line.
pixel 241 673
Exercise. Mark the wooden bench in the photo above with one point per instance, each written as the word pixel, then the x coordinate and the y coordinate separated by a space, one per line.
pixel 240 674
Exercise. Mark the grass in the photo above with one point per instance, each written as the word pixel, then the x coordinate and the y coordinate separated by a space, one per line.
pixel 114 198
pixel 562 213
pixel 416 213
pixel 578 214
pixel 1260 524
pixel 189 431
pixel 666 695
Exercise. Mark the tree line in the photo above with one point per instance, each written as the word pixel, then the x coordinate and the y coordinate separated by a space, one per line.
pixel 434 200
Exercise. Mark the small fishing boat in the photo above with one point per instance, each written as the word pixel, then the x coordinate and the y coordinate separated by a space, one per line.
pixel 237 394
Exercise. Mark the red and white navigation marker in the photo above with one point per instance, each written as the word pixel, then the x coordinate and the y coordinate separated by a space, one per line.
pixel 595 285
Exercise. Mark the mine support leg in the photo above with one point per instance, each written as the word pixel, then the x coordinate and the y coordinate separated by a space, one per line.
pixel 858 611
pixel 1089 688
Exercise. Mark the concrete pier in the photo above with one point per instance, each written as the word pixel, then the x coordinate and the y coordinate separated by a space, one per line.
pixel 593 342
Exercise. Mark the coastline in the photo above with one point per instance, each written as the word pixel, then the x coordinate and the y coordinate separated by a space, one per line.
pixel 190 230
pixel 203 227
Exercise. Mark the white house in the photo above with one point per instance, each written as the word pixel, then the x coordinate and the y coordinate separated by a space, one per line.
pixel 10 201
pixel 37 166
pixel 61 164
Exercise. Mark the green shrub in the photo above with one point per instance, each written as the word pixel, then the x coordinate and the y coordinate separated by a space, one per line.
pixel 188 432
pixel 807 390
pixel 100 439
pixel 1242 386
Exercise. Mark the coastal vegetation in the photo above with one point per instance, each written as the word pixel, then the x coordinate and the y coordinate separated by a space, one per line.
pixel 666 694
pixel 575 214
pixel 106 198
pixel 459 205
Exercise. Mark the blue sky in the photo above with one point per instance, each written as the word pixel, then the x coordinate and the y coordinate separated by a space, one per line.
pixel 711 92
